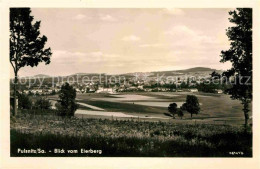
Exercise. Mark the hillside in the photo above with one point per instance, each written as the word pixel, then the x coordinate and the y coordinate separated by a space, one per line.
pixel 140 74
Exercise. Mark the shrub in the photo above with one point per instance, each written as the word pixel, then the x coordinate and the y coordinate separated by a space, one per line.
pixel 172 109
pixel 66 104
pixel 53 92
pixel 42 104
pixel 180 113
pixel 24 102
pixel 192 105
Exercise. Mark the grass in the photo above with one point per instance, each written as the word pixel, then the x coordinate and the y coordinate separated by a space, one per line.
pixel 127 138
pixel 126 107
pixel 214 106
pixel 37 111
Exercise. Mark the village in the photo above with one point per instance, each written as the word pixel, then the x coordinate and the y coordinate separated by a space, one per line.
pixel 180 83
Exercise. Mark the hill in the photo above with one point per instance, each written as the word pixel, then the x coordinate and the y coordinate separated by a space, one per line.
pixel 140 74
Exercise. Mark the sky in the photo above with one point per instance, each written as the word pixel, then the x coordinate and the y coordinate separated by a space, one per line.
pixel 114 41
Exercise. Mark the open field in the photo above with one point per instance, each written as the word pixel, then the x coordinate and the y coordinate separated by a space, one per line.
pixel 135 125
pixel 127 138
pixel 152 106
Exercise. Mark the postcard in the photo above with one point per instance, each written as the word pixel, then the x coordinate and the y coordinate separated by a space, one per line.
pixel 146 85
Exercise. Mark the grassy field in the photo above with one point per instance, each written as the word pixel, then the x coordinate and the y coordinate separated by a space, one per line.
pixel 127 138
pixel 215 108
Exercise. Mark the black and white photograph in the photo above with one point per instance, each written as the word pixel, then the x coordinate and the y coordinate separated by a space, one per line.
pixel 131 82
pixel 124 82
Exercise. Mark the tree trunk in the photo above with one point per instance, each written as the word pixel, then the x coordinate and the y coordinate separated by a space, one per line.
pixel 191 115
pixel 246 119
pixel 15 90
pixel 246 113
pixel 246 110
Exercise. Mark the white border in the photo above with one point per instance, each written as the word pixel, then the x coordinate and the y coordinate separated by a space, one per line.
pixel 74 162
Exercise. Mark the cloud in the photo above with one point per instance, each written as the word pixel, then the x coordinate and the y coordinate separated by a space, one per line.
pixel 67 57
pixel 98 53
pixel 64 53
pixel 131 38
pixel 180 30
pixel 107 18
pixel 185 35
pixel 173 11
pixel 154 45
pixel 79 17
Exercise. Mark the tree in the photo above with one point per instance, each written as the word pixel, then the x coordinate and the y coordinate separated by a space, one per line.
pixel 42 104
pixel 26 44
pixel 53 92
pixel 240 55
pixel 67 105
pixel 207 88
pixel 180 113
pixel 184 107
pixel 192 105
pixel 24 102
pixel 173 109
pixel 215 76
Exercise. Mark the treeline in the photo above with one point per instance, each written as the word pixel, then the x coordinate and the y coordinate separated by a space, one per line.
pixel 65 106
pixel 25 102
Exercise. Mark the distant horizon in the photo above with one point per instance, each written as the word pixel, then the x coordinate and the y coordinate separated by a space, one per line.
pixel 120 73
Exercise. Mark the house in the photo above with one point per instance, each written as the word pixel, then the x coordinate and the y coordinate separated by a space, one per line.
pixel 105 90
pixel 100 89
pixel 91 90
pixel 140 87
pixel 193 90
pixel 26 91
pixel 46 91
pixel 36 91
pixel 148 90
pixel 78 90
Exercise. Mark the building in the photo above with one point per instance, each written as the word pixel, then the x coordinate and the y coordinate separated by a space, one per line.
pixel 219 91
pixel 193 90
pixel 105 90
pixel 140 87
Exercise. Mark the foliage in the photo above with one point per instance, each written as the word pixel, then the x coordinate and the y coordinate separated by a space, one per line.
pixel 184 107
pixel 30 112
pixel 180 113
pixel 42 104
pixel 24 102
pixel 53 92
pixel 192 105
pixel 128 138
pixel 66 103
pixel 215 74
pixel 208 87
pixel 26 44
pixel 240 55
pixel 172 109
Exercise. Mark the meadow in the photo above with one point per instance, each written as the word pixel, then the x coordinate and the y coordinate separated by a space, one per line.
pixel 127 138
pixel 135 125
pixel 152 106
